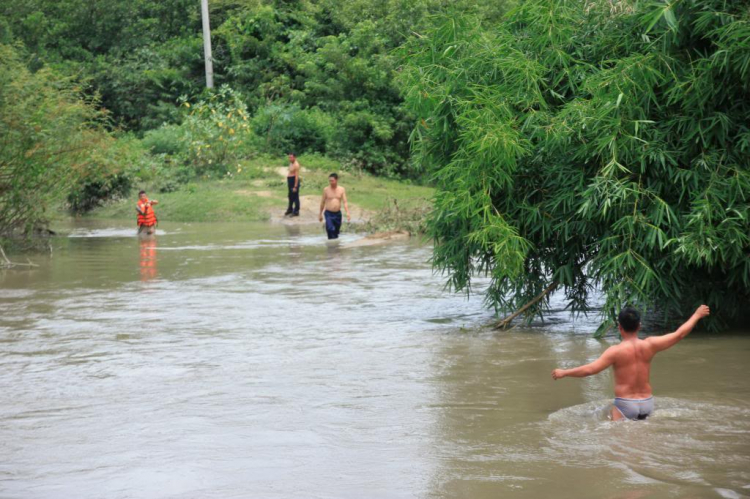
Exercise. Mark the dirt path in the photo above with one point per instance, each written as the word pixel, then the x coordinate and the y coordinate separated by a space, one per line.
pixel 309 209
pixel 309 205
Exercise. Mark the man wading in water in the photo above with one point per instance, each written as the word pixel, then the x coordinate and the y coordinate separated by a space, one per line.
pixel 292 182
pixel 632 362
pixel 332 197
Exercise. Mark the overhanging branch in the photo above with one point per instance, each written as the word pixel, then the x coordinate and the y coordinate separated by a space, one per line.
pixel 506 322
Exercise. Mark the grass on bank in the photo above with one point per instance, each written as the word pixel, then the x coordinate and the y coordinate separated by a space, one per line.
pixel 255 187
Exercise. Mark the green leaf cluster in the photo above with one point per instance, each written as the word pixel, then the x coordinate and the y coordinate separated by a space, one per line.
pixel 599 145
pixel 216 131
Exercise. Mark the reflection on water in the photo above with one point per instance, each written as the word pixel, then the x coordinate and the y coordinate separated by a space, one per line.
pixel 260 361
pixel 148 257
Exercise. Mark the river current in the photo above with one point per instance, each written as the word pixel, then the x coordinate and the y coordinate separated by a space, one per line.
pixel 260 361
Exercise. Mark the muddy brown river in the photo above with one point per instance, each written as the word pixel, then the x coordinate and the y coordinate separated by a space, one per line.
pixel 259 361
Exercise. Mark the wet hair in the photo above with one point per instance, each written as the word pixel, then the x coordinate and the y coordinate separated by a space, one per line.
pixel 629 319
pixel 291 154
pixel 142 192
pixel 334 175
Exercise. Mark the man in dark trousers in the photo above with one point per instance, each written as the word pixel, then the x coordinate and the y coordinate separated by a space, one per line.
pixel 333 196
pixel 293 183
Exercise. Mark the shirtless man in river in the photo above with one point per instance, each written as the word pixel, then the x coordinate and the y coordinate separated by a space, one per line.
pixel 632 363
pixel 293 182
pixel 333 195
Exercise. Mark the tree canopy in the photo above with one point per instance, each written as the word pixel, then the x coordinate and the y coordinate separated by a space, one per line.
pixel 311 68
pixel 590 145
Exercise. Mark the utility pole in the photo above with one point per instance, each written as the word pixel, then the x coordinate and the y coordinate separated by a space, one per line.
pixel 207 45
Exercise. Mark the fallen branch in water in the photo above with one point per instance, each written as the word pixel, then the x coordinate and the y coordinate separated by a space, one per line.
pixel 506 322
pixel 6 264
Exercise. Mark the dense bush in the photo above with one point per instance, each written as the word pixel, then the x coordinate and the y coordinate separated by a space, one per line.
pixel 217 131
pixel 94 192
pixel 51 141
pixel 285 128
pixel 167 139
pixel 113 173
pixel 141 88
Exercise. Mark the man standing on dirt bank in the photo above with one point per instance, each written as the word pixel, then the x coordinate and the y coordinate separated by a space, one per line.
pixel 293 183
pixel 146 216
pixel 632 363
pixel 333 195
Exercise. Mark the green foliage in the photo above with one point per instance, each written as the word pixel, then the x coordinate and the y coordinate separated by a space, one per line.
pixel 217 131
pixel 138 55
pixel 6 34
pixel 317 75
pixel 141 87
pixel 287 128
pixel 592 144
pixel 171 146
pixel 125 163
pixel 93 192
pixel 316 87
pixel 167 139
pixel 51 140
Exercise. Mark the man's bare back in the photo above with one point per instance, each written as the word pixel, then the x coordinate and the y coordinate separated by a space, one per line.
pixel 631 359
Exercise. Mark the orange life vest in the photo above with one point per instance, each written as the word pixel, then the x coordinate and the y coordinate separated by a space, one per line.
pixel 149 217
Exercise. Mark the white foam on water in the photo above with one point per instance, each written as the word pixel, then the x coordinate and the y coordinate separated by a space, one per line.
pixel 728 494
pixel 303 241
pixel 671 446
pixel 108 232
pixel 16 293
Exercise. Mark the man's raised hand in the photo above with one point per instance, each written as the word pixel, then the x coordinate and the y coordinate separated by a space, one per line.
pixel 703 311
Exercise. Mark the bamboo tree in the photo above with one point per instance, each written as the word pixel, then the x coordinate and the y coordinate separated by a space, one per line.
pixel 590 145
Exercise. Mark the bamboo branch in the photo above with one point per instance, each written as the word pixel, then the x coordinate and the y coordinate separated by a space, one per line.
pixel 506 322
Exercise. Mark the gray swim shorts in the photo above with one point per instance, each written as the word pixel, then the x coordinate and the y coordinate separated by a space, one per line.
pixel 635 408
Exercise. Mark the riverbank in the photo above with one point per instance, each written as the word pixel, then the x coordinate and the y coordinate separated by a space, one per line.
pixel 257 191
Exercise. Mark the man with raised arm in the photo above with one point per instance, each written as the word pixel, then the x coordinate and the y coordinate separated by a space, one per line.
pixel 632 363
pixel 333 196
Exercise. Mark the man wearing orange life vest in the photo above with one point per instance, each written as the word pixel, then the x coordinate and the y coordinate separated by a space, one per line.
pixel 146 216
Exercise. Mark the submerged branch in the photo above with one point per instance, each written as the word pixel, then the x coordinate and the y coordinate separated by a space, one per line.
pixel 506 322
pixel 6 264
